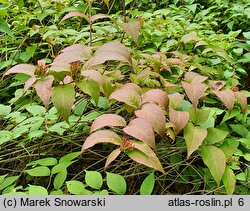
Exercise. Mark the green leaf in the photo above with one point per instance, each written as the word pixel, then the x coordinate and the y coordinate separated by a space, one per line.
pixel 107 3
pixel 132 28
pixel 56 192
pixel 143 154
pixel 4 110
pixel 5 136
pixel 69 157
pixel 44 162
pixel 229 180
pixel 211 118
pixel 209 123
pixel 60 179
pixel 59 127
pixel 63 97
pixel 5 28
pixel 247 156
pixel 230 25
pixel 245 142
pixel 102 192
pixel 229 115
pixel 229 147
pixel 215 160
pixel 240 129
pixel 116 183
pixel 198 116
pixel 246 35
pixel 147 185
pixel 5 2
pixel 192 7
pixel 94 179
pixel 12 193
pixel 241 177
pixel 59 75
pixel 18 94
pixel 90 87
pixel 194 137
pixel 8 181
pixel 109 88
pixel 77 188
pixel 20 4
pixel 245 58
pixel 2 177
pixel 37 190
pixel 91 116
pixel 238 51
pixel 28 53
pixel 36 134
pixel 61 167
pixel 185 105
pixel 127 2
pixel 221 52
pixel 36 110
pixel 175 100
pixel 80 107
pixel 215 135
pixel 97 77
pixel 40 171
pixel 175 159
pixel 192 36
pixel 18 131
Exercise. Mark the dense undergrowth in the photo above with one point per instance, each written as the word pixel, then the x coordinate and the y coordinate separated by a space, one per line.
pixel 124 97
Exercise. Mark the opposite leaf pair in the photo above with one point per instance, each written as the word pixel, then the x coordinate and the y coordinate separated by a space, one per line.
pixel 149 119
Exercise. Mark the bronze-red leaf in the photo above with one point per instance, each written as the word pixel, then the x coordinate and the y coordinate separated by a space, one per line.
pixel 29 83
pixel 101 136
pixel 192 77
pixel 96 76
pixel 107 120
pixel 194 91
pixel 141 129
pixel 98 16
pixel 128 96
pixel 73 53
pixel 179 119
pixel 132 28
pixel 216 85
pixel 43 89
pixel 227 97
pixel 27 69
pixel 242 99
pixel 156 96
pixel 112 156
pixel 75 14
pixel 155 115
pixel 110 51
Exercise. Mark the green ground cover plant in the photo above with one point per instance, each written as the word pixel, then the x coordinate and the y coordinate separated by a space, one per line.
pixel 124 97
